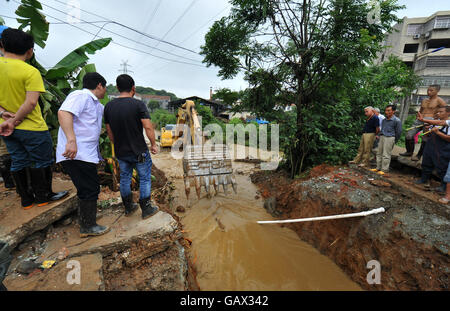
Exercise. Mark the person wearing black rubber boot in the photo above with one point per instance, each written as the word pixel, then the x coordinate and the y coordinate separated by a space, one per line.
pixel 125 119
pixel 22 126
pixel 437 150
pixel 80 117
pixel 5 261
pixel 5 166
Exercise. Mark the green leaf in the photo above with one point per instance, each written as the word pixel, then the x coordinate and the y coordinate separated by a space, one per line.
pixel 63 84
pixel 76 59
pixel 33 19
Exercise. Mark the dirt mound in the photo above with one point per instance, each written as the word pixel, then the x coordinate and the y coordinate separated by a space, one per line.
pixel 161 178
pixel 321 170
pixel 410 240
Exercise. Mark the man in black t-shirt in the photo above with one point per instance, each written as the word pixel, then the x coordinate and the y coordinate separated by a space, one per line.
pixel 125 119
pixel 370 130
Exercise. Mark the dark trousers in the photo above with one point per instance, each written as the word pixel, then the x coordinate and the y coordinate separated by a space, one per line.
pixel 85 178
pixel 436 156
pixel 28 148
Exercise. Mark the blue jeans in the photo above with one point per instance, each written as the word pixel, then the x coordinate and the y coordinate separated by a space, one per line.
pixel 28 148
pixel 144 171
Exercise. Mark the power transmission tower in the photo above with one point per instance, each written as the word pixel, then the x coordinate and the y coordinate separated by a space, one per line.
pixel 124 67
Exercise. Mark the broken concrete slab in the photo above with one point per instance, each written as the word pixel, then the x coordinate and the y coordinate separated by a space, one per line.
pixel 124 231
pixel 58 277
pixel 16 223
pixel 164 271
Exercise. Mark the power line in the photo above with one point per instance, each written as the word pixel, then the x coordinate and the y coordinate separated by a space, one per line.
pixel 60 23
pixel 133 29
pixel 178 20
pixel 201 27
pixel 124 46
pixel 192 34
pixel 152 16
pixel 125 37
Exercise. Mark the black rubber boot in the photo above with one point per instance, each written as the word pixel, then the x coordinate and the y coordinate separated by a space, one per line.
pixel 5 261
pixel 130 206
pixel 148 209
pixel 39 185
pixel 5 171
pixel 422 180
pixel 442 188
pixel 88 216
pixel 21 181
pixel 420 153
pixel 52 196
pixel 409 144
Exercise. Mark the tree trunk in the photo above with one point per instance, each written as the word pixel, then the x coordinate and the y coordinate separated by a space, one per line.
pixel 405 111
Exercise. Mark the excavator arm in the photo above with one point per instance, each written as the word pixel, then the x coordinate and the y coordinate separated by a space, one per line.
pixel 203 165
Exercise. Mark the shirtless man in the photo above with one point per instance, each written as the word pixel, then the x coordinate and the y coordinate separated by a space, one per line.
pixel 428 110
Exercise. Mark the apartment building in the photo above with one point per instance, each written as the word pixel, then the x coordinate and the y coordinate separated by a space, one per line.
pixel 423 43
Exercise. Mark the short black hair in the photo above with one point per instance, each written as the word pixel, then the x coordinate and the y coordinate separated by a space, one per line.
pixel 124 83
pixel 394 108
pixel 92 79
pixel 16 41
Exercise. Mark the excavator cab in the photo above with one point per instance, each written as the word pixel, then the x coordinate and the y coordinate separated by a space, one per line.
pixel 204 165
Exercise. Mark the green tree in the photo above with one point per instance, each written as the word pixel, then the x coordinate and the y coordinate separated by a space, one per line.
pixel 161 117
pixel 227 96
pixel 153 104
pixel 303 53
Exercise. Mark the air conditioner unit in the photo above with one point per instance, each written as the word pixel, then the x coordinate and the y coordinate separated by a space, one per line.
pixel 416 36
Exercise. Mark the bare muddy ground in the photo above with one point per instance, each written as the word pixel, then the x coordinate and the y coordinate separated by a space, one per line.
pixel 230 251
pixel 410 240
pixel 135 255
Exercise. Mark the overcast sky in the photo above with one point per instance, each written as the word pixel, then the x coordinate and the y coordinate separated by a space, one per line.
pixel 181 22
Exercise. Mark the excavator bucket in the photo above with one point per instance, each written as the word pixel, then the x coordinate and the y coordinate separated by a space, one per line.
pixel 204 166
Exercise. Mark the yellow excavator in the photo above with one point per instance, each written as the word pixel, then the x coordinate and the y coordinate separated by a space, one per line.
pixel 167 136
pixel 204 165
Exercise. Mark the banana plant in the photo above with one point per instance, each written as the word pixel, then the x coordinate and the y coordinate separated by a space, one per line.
pixel 67 74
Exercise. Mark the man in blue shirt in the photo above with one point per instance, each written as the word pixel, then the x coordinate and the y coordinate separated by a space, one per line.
pixel 370 130
pixel 389 136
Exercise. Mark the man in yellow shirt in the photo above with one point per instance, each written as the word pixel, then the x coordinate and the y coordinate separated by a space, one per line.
pixel 21 123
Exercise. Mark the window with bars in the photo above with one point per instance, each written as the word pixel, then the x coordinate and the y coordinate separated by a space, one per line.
pixel 441 80
pixel 438 61
pixel 414 29
pixel 442 22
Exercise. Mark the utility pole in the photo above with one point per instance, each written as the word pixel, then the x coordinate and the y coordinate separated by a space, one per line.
pixel 124 67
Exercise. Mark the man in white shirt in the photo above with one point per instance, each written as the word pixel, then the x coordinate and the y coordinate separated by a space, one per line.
pixel 80 117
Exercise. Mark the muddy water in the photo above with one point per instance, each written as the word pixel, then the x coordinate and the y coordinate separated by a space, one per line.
pixel 232 252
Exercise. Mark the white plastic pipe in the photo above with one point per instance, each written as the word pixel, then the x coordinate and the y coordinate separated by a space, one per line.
pixel 361 214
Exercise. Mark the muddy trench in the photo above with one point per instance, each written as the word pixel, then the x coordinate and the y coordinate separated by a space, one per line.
pixel 228 250
pixel 410 240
